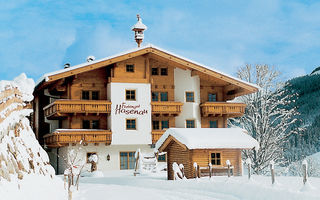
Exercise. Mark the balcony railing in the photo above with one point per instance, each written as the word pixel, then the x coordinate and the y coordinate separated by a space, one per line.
pixel 65 106
pixel 64 137
pixel 166 108
pixel 222 108
pixel 156 134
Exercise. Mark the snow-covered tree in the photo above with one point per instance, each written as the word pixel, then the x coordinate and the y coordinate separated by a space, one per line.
pixel 266 118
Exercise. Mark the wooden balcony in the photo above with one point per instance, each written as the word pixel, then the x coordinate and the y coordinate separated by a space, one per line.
pixel 63 107
pixel 227 109
pixel 166 108
pixel 156 134
pixel 64 137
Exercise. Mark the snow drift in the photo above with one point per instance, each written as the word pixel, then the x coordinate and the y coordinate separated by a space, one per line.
pixel 24 165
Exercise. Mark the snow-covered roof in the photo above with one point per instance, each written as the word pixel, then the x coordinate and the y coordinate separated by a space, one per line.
pixel 45 77
pixel 139 25
pixel 210 138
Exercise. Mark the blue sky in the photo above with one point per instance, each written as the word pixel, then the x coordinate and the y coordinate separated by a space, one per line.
pixel 37 37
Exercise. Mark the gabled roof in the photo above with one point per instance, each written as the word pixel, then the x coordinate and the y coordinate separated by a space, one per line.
pixel 208 138
pixel 192 65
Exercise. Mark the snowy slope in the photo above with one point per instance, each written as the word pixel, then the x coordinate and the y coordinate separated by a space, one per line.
pixel 25 172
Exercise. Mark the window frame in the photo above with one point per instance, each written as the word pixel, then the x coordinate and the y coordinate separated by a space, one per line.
pixel 130 68
pixel 216 122
pixel 212 94
pixel 216 158
pixel 128 159
pixel 98 94
pixel 135 95
pixel 156 94
pixel 190 120
pixel 85 120
pixel 82 96
pixel 153 121
pixel 166 71
pixel 161 93
pixel 189 92
pixel 152 70
pixel 135 124
pixel 92 122
pixel 162 121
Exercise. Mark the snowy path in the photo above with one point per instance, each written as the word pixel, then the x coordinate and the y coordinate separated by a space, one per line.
pixel 125 185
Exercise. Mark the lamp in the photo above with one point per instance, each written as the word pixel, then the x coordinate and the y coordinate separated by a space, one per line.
pixel 108 157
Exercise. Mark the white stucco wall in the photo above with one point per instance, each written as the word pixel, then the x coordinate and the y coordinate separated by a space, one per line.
pixel 142 134
pixel 102 152
pixel 184 82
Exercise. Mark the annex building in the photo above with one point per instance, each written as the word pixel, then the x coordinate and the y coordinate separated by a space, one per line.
pixel 115 105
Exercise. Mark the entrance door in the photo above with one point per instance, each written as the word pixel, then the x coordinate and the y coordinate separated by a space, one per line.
pixel 127 160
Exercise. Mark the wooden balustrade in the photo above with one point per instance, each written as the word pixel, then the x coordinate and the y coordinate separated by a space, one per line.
pixel 228 109
pixel 64 137
pixel 156 134
pixel 166 108
pixel 65 106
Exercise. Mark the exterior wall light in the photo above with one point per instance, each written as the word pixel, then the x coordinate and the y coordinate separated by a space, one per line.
pixel 108 157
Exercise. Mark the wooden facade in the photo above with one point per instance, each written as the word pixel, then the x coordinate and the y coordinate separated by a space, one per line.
pixel 179 153
pixel 81 94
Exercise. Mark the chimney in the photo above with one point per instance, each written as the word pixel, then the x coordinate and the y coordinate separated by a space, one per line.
pixel 67 65
pixel 90 58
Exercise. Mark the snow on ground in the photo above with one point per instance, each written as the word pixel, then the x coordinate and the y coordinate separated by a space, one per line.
pixel 32 187
pixel 123 185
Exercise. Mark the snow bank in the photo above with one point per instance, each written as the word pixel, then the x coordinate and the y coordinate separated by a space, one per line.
pixel 25 172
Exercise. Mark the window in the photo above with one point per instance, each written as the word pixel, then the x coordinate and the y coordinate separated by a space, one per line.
pixel 190 124
pixel 155 125
pixel 95 124
pixel 164 96
pixel 164 71
pixel 130 68
pixel 86 124
pixel 85 95
pixel 127 160
pixel 212 97
pixel 130 95
pixel 95 95
pixel 154 71
pixel 162 158
pixel 90 154
pixel 131 124
pixel 165 124
pixel 155 96
pixel 213 124
pixel 189 96
pixel 216 158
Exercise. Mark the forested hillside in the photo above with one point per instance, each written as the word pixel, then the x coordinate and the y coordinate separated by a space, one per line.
pixel 307 101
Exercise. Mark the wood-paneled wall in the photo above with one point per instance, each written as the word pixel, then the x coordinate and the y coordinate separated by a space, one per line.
pixel 177 154
pixel 162 83
pixel 76 121
pixel 95 80
pixel 202 158
pixel 205 122
pixel 207 87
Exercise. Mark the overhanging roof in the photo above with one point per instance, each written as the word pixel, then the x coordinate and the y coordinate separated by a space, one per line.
pixel 192 65
pixel 208 138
